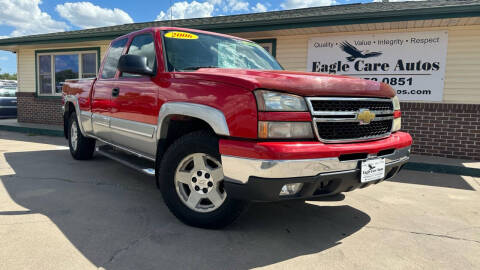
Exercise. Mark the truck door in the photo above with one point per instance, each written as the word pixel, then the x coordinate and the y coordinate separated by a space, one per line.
pixel 104 88
pixel 135 108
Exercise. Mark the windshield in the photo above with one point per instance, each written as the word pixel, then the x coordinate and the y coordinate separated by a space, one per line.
pixel 7 92
pixel 191 51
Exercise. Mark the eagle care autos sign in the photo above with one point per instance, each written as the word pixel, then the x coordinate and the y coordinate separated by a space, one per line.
pixel 412 63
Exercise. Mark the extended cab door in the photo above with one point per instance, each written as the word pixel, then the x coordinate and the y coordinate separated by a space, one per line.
pixel 135 108
pixel 104 88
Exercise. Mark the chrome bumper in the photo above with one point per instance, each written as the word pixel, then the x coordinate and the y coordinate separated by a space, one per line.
pixel 239 170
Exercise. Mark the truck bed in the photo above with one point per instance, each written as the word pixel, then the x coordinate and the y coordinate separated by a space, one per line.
pixel 78 86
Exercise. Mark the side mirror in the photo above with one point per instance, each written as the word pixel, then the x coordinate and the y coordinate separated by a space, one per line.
pixel 134 64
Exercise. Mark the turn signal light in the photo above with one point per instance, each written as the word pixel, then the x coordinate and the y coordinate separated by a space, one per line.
pixel 397 114
pixel 397 120
pixel 285 130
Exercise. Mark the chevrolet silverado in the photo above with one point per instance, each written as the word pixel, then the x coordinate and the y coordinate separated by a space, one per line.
pixel 220 123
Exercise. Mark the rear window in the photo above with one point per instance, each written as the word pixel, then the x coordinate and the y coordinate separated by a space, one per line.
pixel 111 61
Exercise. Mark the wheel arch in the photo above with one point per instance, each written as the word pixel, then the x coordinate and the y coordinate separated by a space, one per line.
pixel 180 118
pixel 212 116
pixel 70 106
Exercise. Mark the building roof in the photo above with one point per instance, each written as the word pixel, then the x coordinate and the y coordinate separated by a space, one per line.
pixel 275 20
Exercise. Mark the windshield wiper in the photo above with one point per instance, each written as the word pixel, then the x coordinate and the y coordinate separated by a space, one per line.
pixel 198 67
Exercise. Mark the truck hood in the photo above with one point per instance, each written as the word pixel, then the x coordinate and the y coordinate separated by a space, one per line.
pixel 300 83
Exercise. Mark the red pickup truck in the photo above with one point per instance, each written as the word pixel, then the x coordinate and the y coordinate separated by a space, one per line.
pixel 219 123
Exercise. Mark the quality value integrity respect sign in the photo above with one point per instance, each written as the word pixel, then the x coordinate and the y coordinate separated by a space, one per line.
pixel 412 63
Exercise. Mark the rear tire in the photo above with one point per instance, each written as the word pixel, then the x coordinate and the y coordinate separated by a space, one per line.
pixel 81 147
pixel 191 181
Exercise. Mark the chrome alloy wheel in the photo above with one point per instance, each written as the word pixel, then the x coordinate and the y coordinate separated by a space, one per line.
pixel 199 182
pixel 74 136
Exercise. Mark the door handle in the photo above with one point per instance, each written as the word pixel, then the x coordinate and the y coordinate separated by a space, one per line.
pixel 115 92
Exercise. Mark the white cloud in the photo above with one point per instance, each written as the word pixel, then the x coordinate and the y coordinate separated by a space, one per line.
pixel 259 8
pixel 3 58
pixel 215 2
pixel 397 0
pixel 292 4
pixel 185 10
pixel 194 9
pixel 27 18
pixel 237 5
pixel 88 15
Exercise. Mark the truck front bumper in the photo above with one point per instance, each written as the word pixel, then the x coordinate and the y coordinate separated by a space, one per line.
pixel 337 168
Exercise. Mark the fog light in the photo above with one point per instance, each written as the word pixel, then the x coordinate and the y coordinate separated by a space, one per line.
pixel 291 189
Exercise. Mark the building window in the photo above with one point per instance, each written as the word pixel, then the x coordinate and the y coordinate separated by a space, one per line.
pixel 56 67
pixel 270 45
pixel 45 74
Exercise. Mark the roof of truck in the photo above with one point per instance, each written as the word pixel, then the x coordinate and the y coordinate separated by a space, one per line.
pixel 180 29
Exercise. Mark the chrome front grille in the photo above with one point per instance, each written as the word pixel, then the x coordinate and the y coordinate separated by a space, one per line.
pixel 336 119
pixel 350 105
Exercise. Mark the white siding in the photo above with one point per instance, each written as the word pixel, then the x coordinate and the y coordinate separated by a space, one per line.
pixel 462 78
pixel 26 70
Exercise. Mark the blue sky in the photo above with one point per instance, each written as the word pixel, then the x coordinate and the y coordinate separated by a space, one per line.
pixel 27 17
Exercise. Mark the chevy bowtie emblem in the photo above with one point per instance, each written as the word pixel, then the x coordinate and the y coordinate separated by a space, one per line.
pixel 365 116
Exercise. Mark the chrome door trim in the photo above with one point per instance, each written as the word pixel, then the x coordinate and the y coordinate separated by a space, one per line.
pixel 210 115
pixel 143 129
pixel 131 131
pixel 88 114
pixel 100 120
pixel 140 128
pixel 102 124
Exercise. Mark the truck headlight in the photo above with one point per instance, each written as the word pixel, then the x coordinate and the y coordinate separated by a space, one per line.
pixel 282 130
pixel 270 101
pixel 397 115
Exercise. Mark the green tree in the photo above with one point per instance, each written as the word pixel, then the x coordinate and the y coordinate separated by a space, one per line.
pixel 7 76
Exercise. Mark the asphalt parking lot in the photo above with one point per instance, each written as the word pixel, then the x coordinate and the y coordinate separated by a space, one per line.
pixel 58 213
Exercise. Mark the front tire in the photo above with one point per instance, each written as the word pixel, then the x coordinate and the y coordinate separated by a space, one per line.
pixel 191 181
pixel 81 147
